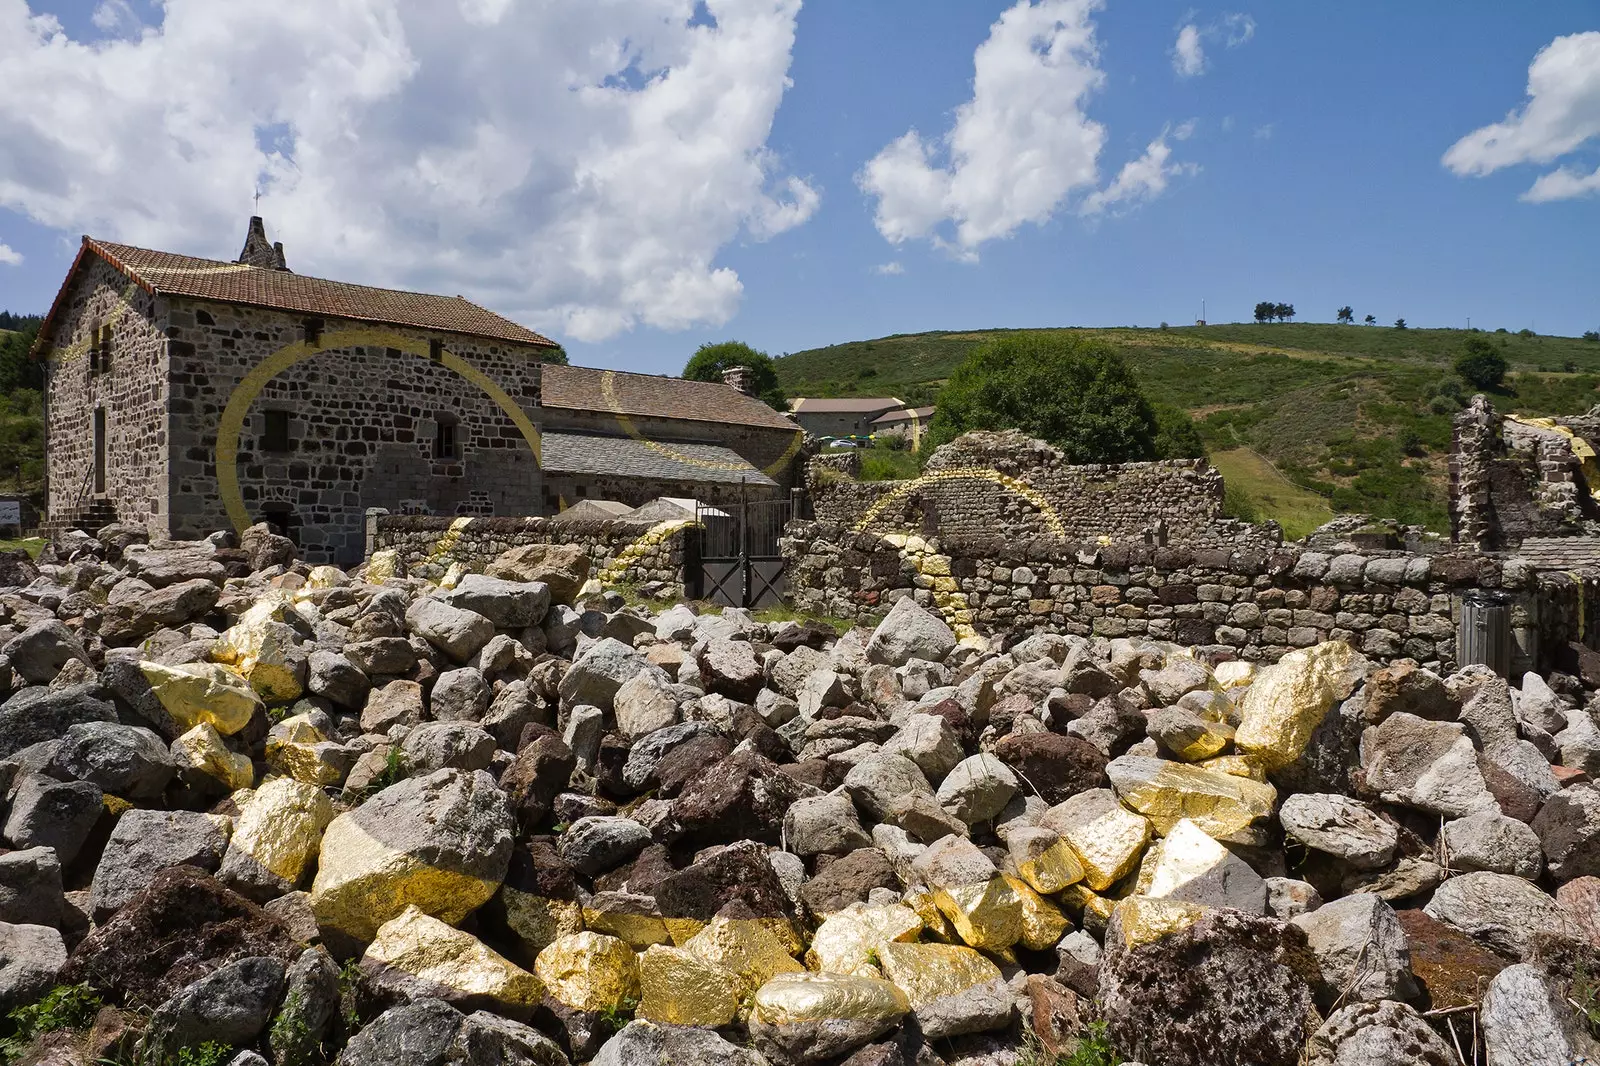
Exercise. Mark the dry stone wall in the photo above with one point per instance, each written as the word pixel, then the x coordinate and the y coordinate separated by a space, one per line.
pixel 1237 603
pixel 633 553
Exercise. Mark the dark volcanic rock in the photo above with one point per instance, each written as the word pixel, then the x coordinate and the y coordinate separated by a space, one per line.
pixel 737 873
pixel 1058 766
pixel 848 879
pixel 743 797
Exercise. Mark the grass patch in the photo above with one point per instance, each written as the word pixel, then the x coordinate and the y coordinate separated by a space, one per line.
pixel 32 545
pixel 882 462
pixel 1261 491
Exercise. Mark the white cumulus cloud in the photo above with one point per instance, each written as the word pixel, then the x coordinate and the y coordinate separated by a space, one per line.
pixel 9 256
pixel 1189 51
pixel 1017 149
pixel 1188 54
pixel 1562 113
pixel 577 166
pixel 1144 178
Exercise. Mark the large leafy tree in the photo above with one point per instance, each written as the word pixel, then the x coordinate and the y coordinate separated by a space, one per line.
pixel 710 360
pixel 1283 312
pixel 1346 315
pixel 1480 364
pixel 1265 310
pixel 1074 392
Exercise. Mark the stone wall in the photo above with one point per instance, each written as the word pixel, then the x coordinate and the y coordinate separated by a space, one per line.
pixel 362 421
pixel 132 393
pixel 1235 603
pixel 632 553
pixel 1511 480
pixel 984 484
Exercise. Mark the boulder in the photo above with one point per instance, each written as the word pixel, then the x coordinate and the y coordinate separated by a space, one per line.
pixel 192 694
pixel 397 703
pixel 146 842
pixel 310 1007
pixel 30 887
pixel 31 960
pixel 1285 705
pixel 441 842
pixel 1106 837
pixel 414 955
pixel 134 609
pixel 52 814
pixel 743 797
pixel 952 989
pixel 595 675
pixel 1429 765
pixel 183 926
pixel 39 652
pixel 562 568
pixel 1384 1033
pixel 437 745
pixel 508 604
pixel 1166 792
pixel 1193 868
pixel 1361 951
pixel 1055 766
pixel 536 776
pixel 1342 827
pixel 977 789
pixel 642 1042
pixel 1488 840
pixel 813 1017
pixel 121 760
pixel 1504 913
pixel 275 839
pixel 849 879
pixel 1568 830
pixel 331 675
pixel 38 714
pixel 877 782
pixel 455 632
pixel 597 844
pixel 1527 1021
pixel 644 704
pixel 910 632
pixel 821 825
pixel 730 667
pixel 231 1005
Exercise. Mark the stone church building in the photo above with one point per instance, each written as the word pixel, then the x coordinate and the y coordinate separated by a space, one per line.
pixel 187 395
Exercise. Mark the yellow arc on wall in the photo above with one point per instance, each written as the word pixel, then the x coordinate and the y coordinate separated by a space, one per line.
pixel 966 473
pixel 245 393
pixel 608 389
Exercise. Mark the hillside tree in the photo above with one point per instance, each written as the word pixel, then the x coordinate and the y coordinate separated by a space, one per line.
pixel 1075 392
pixel 1400 323
pixel 1480 364
pixel 1371 320
pixel 710 360
pixel 1265 310
pixel 1346 315
pixel 1283 312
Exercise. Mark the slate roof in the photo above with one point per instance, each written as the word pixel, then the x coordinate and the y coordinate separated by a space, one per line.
pixel 654 396
pixel 169 274
pixel 576 453
pixel 1561 553
pixel 811 405
pixel 905 414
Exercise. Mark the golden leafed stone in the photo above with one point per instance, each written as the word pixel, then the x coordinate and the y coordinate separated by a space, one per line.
pixel 589 971
pixel 1106 837
pixel 202 749
pixel 1043 923
pixel 1143 920
pixel 326 577
pixel 382 566
pixel 934 923
pixel 195 693
pixel 434 954
pixel 794 998
pixel 361 882
pixel 539 921
pixel 1203 743
pixel 849 939
pixel 638 926
pixel 1168 792
pixel 259 647
pixel 1284 705
pixel 926 972
pixel 746 946
pixel 1051 868
pixel 281 827
pixel 677 987
pixel 1080 898
pixel 1193 867
pixel 1249 766
pixel 987 916
pixel 1233 674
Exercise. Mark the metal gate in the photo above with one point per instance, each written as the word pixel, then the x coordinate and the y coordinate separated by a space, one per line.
pixel 738 562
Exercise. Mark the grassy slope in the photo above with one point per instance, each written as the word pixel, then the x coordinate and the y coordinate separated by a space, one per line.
pixel 1349 413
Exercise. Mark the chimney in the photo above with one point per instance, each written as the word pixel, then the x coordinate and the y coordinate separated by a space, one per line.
pixel 258 252
pixel 741 378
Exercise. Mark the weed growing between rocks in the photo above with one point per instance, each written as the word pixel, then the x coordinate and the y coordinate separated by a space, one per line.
pixel 70 1007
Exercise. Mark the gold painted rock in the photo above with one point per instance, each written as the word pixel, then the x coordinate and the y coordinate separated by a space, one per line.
pixel 1193 868
pixel 816 1016
pixel 298 749
pixel 202 750
pixel 1096 909
pixel 632 918
pixel 264 651
pixel 382 566
pixel 850 939
pixel 209 693
pixel 278 833
pixel 1286 703
pixel 987 916
pixel 678 987
pixel 590 972
pixel 1043 859
pixel 1168 792
pixel 1106 837
pixel 417 956
pixel 441 843
pixel 539 921
pixel 746 946
pixel 926 972
pixel 1043 923
pixel 1142 919
pixel 934 923
pixel 1249 766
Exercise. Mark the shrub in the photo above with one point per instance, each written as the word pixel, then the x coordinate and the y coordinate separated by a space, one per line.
pixel 63 1007
pixel 1176 435
pixel 1480 364
pixel 710 360
pixel 1591 335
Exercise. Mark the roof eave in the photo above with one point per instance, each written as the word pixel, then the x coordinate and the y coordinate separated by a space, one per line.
pixel 48 326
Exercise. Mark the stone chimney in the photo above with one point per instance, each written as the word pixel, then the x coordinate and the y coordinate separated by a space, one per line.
pixel 258 252
pixel 741 378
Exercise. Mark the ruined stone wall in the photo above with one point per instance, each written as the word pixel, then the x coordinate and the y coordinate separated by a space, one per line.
pixel 1510 481
pixel 132 392
pixel 984 484
pixel 636 553
pixel 775 452
pixel 1239 603
pixel 362 418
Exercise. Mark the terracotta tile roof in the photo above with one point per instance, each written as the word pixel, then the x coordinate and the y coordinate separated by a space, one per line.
pixel 209 279
pixel 811 405
pixel 576 453
pixel 653 396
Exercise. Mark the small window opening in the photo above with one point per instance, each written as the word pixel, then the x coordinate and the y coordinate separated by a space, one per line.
pixel 100 350
pixel 313 329
pixel 436 350
pixel 275 435
pixel 284 518
pixel 446 442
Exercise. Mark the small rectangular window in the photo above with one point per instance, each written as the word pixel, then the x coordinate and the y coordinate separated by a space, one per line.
pixel 275 437
pixel 436 350
pixel 313 329
pixel 445 443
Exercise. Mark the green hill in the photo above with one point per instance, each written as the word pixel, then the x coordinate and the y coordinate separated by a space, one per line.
pixel 1358 415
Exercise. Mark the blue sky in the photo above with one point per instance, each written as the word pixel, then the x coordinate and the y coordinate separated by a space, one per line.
pixel 525 159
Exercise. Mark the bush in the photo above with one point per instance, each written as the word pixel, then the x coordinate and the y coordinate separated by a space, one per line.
pixel 1236 503
pixel 1591 335
pixel 1480 364
pixel 1176 435
pixel 710 360
pixel 63 1007
pixel 1074 392
pixel 1525 333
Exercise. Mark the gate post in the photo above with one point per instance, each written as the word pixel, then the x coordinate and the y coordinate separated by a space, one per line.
pixel 744 543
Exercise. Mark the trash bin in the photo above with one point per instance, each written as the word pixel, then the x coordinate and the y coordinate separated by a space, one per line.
pixel 1483 636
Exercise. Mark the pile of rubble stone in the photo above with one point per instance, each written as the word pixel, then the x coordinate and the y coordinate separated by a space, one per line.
pixel 264 811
